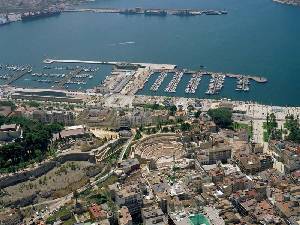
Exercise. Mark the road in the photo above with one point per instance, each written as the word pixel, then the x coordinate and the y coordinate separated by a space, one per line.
pixel 121 156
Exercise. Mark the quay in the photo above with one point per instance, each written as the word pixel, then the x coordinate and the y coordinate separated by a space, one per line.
pixel 152 66
pixel 152 12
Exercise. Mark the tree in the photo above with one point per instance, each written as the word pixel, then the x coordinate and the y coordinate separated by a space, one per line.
pixel 33 104
pixel 292 125
pixel 138 135
pixel 34 145
pixel 76 196
pixel 172 110
pixel 197 114
pixel 185 127
pixel 221 116
pixel 8 103
pixel 165 129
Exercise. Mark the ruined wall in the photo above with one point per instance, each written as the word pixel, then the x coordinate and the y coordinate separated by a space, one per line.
pixel 44 168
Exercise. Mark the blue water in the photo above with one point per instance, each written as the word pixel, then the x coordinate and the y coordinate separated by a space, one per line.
pixel 257 37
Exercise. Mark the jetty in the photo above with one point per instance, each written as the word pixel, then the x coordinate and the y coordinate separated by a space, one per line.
pixel 152 66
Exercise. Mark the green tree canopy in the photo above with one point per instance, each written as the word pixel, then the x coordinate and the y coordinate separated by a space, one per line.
pixel 221 116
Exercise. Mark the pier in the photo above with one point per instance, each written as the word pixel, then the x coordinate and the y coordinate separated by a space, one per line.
pixel 216 83
pixel 155 86
pixel 153 12
pixel 18 75
pixel 68 77
pixel 242 84
pixel 174 82
pixel 193 83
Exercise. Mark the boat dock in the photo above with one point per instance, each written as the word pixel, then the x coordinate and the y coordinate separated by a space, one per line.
pixel 18 75
pixel 242 83
pixel 216 83
pixel 155 86
pixel 67 78
pixel 152 12
pixel 193 83
pixel 174 82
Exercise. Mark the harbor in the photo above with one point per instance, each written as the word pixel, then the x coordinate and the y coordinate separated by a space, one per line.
pixel 126 78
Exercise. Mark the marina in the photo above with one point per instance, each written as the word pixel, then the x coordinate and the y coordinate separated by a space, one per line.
pixel 124 78
pixel 216 81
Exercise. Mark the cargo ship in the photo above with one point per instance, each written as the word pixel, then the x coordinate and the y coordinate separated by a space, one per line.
pixel 153 12
pixel 184 12
pixel 132 11
pixel 39 14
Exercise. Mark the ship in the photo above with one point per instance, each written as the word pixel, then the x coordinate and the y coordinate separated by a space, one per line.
pixel 131 11
pixel 155 12
pixel 184 12
pixel 39 14
pixel 212 12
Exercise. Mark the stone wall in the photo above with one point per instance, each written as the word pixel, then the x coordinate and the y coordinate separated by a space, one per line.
pixel 44 168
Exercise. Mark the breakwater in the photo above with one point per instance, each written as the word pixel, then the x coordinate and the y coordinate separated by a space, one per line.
pixel 153 12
